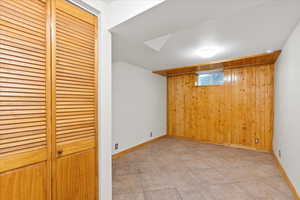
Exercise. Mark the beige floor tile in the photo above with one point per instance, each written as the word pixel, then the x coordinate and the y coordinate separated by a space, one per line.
pixel 199 192
pixel 127 184
pixel 182 180
pixel 224 153
pixel 118 162
pixel 237 174
pixel 209 147
pixel 229 192
pixel 234 162
pixel 126 169
pixel 278 183
pixel 210 176
pixel 198 164
pixel 156 181
pixel 173 166
pixel 265 170
pixel 201 154
pixel 139 196
pixel 187 156
pixel 175 169
pixel 193 195
pixel 148 167
pixel 263 158
pixel 245 153
pixel 136 156
pixel 217 162
pixel 166 194
pixel 260 190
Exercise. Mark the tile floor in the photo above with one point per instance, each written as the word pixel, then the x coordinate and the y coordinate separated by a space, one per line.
pixel 174 169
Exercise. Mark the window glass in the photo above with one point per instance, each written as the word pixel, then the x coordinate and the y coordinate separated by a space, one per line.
pixel 210 78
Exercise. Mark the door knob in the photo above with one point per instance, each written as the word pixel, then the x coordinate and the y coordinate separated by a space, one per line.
pixel 60 152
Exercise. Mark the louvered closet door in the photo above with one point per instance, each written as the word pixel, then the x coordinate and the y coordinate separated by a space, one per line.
pixel 24 100
pixel 74 102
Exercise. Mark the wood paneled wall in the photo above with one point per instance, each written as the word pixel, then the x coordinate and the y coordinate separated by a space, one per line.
pixel 238 113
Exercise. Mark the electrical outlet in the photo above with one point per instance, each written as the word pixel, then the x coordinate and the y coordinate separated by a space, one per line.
pixel 116 146
pixel 279 153
pixel 151 134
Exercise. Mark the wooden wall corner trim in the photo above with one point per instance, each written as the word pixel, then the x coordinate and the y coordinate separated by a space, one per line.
pixel 22 159
pixel 117 155
pixel 287 179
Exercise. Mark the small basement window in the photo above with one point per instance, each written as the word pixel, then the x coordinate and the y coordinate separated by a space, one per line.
pixel 210 77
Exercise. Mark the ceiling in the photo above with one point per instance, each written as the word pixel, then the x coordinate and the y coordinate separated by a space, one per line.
pixel 234 27
pixel 108 1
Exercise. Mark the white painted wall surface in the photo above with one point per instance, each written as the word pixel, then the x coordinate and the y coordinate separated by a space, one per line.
pixel 104 100
pixel 139 105
pixel 287 108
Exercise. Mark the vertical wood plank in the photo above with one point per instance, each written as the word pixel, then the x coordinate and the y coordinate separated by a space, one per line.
pixel 260 106
pixel 228 106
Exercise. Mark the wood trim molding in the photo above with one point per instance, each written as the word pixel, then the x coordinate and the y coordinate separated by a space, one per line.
pixel 220 144
pixel 135 148
pixel 75 11
pixel 259 59
pixel 287 179
pixel 117 155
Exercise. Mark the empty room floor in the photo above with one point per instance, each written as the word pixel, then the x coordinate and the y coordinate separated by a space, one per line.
pixel 175 169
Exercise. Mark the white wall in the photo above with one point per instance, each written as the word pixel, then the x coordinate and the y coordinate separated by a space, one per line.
pixel 139 105
pixel 104 100
pixel 287 108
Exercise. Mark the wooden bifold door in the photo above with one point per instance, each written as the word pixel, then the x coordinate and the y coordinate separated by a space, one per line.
pixel 48 101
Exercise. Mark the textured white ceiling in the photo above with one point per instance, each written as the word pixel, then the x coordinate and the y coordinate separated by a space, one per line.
pixel 108 1
pixel 235 27
pixel 158 43
pixel 123 10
